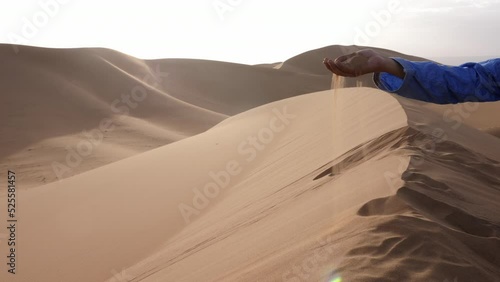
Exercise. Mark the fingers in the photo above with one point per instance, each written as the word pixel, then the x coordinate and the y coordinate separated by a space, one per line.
pixel 344 58
pixel 331 66
pixel 325 62
pixel 344 68
pixel 342 64
pixel 337 70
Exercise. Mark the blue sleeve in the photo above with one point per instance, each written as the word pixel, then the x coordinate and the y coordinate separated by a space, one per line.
pixel 435 83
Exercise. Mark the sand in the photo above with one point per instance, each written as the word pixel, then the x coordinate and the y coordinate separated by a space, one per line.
pixel 228 172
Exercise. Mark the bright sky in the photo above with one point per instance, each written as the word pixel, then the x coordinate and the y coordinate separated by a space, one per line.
pixel 255 31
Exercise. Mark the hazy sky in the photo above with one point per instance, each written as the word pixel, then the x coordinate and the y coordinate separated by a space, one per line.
pixel 254 31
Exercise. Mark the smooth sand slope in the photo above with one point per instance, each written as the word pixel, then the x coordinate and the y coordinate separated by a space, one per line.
pixel 410 199
pixel 361 185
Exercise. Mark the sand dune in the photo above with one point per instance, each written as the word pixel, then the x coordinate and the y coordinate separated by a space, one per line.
pixel 226 173
pixel 54 100
pixel 397 208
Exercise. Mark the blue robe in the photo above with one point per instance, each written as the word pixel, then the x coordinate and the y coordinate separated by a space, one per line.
pixel 435 83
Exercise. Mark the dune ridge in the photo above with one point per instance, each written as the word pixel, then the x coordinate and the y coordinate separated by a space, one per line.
pixel 233 187
pixel 54 99
pixel 395 236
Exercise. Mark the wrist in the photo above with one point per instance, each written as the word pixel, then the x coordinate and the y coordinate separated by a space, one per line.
pixel 394 68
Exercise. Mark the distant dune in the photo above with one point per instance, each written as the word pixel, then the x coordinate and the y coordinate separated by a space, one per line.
pixel 53 97
pixel 191 170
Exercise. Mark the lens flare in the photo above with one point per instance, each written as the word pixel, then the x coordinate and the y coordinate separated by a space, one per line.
pixel 336 279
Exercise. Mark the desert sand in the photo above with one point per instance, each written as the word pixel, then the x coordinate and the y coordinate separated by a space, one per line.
pixel 191 170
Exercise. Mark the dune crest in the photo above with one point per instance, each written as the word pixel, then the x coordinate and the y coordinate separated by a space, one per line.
pixel 432 216
pixel 205 182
